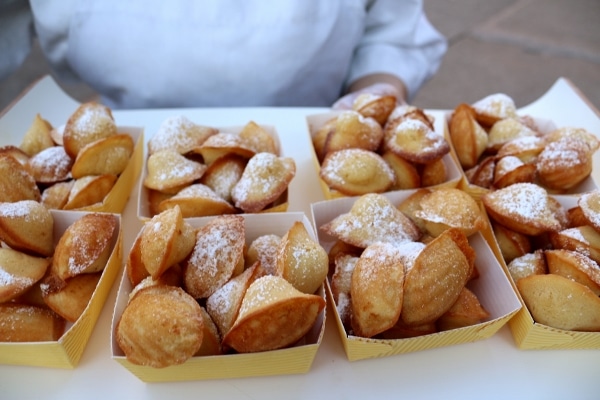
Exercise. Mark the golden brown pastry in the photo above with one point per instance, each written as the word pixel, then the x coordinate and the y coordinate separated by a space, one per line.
pixel 466 311
pixel 352 130
pixel 528 264
pixel 356 172
pixel 197 200
pixel 559 302
pixel 273 315
pixel 90 121
pixel 85 246
pixel 564 164
pixel 506 130
pixel 19 272
pixel 524 208
pixel 512 244
pixel 109 155
pixel 510 170
pixel 576 266
pixel 37 137
pixel 222 175
pixel 584 239
pixel 468 137
pixel 372 218
pixel 221 144
pixel 493 108
pixel 265 178
pixel 50 165
pixel 27 323
pixel 161 326
pixel 69 298
pixel 165 240
pixel 169 171
pixel 377 289
pixel 56 196
pixel 180 134
pixel 27 226
pixel 414 141
pixel 216 256
pixel 16 183
pixel 375 106
pixel 525 148
pixel 89 190
pixel 264 249
pixel 257 138
pixel 406 173
pixel 589 204
pixel 301 260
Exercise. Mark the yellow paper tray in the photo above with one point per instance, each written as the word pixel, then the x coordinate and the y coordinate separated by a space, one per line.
pixel 66 352
pixel 280 205
pixel 316 121
pixel 294 360
pixel 492 287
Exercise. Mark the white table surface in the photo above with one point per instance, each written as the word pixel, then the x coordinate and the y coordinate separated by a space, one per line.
pixel 492 369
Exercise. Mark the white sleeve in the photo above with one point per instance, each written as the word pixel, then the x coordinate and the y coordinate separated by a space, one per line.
pixel 398 40
pixel 16 35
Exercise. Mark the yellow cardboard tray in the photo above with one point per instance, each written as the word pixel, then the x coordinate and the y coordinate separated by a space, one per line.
pixel 531 335
pixel 280 205
pixel 66 352
pixel 46 98
pixel 316 121
pixel 493 289
pixel 293 360
pixel 562 105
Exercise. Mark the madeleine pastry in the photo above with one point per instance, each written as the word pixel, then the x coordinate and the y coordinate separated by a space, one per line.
pixel 353 130
pixel 356 172
pixel 50 165
pixel 90 121
pixel 19 272
pixel 221 144
pixel 528 264
pixel 375 106
pixel 467 136
pixel 414 141
pixel 89 190
pixel 108 155
pixel 493 108
pixel 27 323
pixel 265 178
pixel 69 298
pixel 197 200
pixel 273 315
pixel 161 326
pixel 27 226
pixel 257 138
pixel 37 137
pixel 264 250
pixel 180 134
pixel 222 175
pixel 16 183
pixel 169 171
pixel 575 266
pixel 466 311
pixel 564 164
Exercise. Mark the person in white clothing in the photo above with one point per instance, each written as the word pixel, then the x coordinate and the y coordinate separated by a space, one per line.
pixel 206 53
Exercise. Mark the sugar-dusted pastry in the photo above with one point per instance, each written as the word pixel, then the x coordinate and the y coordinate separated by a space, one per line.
pixel 108 155
pixel 89 190
pixel 28 323
pixel 223 305
pixel 341 279
pixel 302 260
pixel 264 249
pixel 90 121
pixel 528 264
pixel 526 148
pixel 56 196
pixel 355 172
pixel 564 163
pixel 161 326
pixel 16 153
pixel 589 204
pixel 19 272
pixel 411 204
pixel 85 246
pixel 258 138
pixel 169 171
pixel 414 141
pixel 466 311
pixel 493 108
pixel 576 266
pixel 221 144
pixel 265 178
pixel 505 130
pixel 584 239
pixel 449 207
pixel 27 226
pixel 166 239
pixel 222 175
pixel 377 289
pixel 180 134
pixel 16 183
pixel 510 170
pixel 576 133
pixel 197 200
pixel 217 255
pixel 50 165
pixel 69 298
pixel 353 130
pixel 273 315
pixel 436 277
pixel 378 107
pixel 523 207
pixel 37 137
pixel 559 302
pixel 467 136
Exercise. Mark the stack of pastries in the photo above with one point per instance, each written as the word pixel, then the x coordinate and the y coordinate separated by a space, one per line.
pixel 67 167
pixel 206 291
pixel 497 147
pixel 44 285
pixel 205 171
pixel 378 146
pixel 552 253
pixel 403 270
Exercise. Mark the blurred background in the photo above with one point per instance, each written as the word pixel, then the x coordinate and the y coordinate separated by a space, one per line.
pixel 517 47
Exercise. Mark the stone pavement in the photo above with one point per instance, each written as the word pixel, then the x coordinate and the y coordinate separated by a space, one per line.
pixel 518 47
